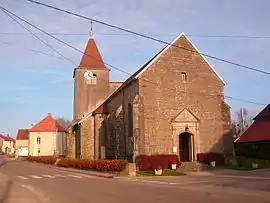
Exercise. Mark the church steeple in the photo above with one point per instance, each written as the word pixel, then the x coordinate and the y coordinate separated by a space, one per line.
pixel 91 57
pixel 91 80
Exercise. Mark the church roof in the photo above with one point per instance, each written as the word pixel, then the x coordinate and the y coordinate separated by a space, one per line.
pixel 149 63
pixel 91 57
pixel 48 124
pixel 22 134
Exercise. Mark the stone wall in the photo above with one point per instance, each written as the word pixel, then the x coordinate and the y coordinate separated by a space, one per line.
pixel 71 144
pixel 167 95
pixel 100 135
pixel 132 131
pixel 115 131
pixel 227 131
pixel 87 138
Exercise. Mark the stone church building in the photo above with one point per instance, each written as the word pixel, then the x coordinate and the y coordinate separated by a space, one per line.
pixel 174 104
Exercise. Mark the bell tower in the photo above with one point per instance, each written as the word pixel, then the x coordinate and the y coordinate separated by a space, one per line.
pixel 91 81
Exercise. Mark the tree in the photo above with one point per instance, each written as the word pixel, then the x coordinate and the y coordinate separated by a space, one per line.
pixel 242 122
pixel 64 122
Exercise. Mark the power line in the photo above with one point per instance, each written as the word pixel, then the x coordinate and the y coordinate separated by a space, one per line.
pixel 229 97
pixel 32 50
pixel 147 37
pixel 151 34
pixel 38 38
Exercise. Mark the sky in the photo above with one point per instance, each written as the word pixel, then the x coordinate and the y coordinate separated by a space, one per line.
pixel 33 84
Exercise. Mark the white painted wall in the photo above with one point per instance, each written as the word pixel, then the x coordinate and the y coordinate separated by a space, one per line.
pixel 22 147
pixel 9 145
pixel 51 143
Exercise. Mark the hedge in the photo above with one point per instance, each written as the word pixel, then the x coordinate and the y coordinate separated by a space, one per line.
pixel 42 159
pixel 102 165
pixel 150 162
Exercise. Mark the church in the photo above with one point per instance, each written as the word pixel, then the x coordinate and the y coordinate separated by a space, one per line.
pixel 174 104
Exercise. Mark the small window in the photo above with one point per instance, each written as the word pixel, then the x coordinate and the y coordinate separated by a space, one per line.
pixel 38 140
pixel 184 77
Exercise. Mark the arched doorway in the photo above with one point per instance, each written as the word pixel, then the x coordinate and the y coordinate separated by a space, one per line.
pixel 185 147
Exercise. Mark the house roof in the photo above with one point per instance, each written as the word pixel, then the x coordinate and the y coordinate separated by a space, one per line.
pixel 91 57
pixel 6 138
pixel 264 113
pixel 258 131
pixel 48 124
pixel 22 134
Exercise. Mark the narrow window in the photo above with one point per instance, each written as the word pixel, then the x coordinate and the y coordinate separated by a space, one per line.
pixel 38 140
pixel 184 77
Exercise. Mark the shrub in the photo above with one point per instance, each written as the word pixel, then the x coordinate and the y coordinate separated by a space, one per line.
pixel 150 162
pixel 207 158
pixel 42 159
pixel 99 165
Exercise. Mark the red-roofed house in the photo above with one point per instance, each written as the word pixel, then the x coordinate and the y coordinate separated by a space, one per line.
pixel 22 142
pixel 173 104
pixel 47 138
pixel 255 141
pixel 7 144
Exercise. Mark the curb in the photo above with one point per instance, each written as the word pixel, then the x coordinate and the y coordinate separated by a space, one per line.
pixel 91 173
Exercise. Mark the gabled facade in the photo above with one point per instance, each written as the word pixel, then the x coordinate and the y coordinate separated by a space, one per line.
pixel 7 144
pixel 22 142
pixel 174 104
pixel 47 138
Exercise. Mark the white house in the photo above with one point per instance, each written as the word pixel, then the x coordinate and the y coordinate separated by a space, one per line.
pixel 7 144
pixel 47 138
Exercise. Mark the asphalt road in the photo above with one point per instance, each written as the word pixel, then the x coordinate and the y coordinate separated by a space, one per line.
pixel 23 182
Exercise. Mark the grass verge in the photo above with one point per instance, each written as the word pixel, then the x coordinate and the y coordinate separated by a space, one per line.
pixel 166 172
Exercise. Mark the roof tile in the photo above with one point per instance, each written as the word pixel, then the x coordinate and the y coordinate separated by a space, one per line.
pixel 48 124
pixel 22 134
pixel 91 57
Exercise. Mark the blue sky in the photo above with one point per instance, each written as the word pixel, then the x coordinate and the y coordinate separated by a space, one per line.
pixel 31 84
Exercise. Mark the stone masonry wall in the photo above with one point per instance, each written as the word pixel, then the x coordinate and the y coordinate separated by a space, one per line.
pixel 227 131
pixel 71 144
pixel 160 102
pixel 87 136
pixel 131 97
pixel 100 134
pixel 115 130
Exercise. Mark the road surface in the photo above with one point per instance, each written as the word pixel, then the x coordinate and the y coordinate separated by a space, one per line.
pixel 27 183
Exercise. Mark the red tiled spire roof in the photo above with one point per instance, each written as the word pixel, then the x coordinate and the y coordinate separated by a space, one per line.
pixel 91 57
pixel 22 134
pixel 48 124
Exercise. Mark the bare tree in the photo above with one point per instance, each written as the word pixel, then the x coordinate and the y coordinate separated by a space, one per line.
pixel 242 122
pixel 63 122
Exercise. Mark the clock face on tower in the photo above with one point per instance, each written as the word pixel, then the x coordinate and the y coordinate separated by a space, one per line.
pixel 88 75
